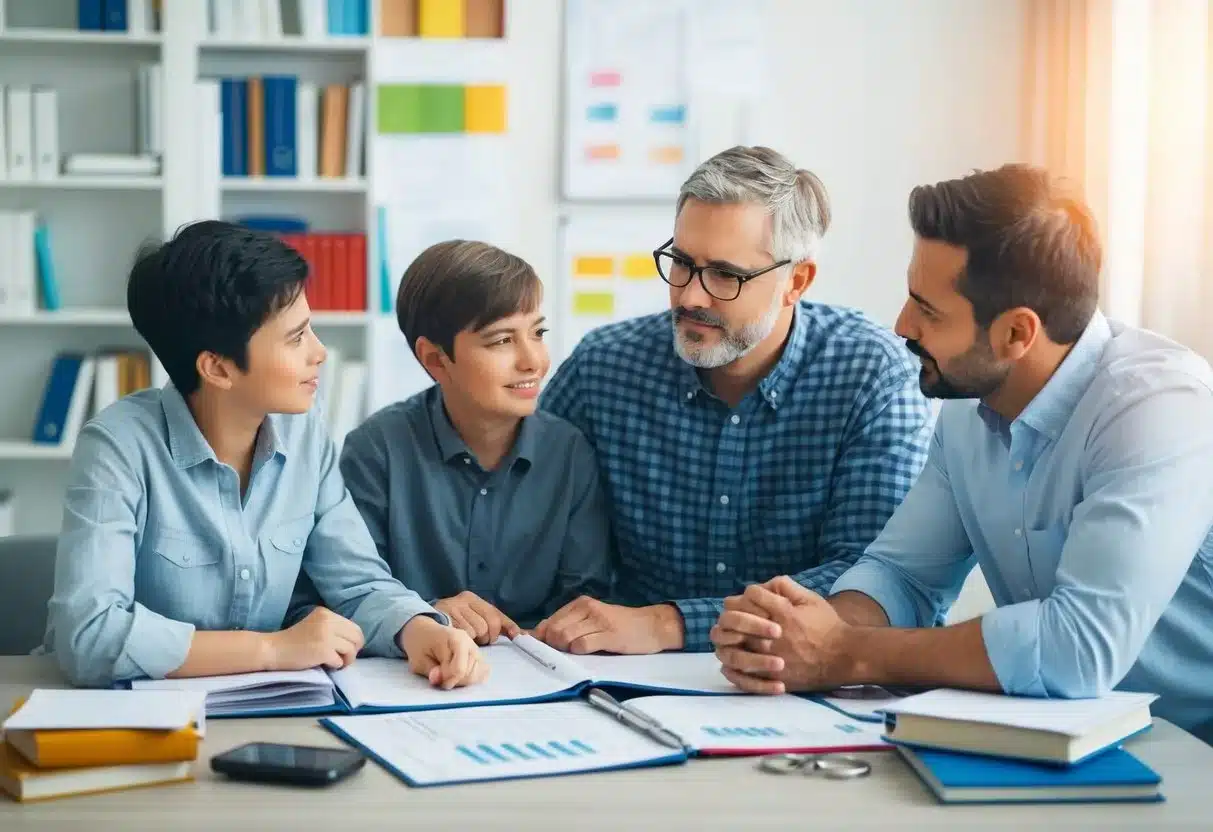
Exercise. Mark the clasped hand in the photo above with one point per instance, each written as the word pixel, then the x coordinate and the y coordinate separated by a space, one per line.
pixel 778 637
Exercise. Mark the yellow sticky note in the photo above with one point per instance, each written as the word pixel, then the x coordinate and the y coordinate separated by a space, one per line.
pixel 593 266
pixel 593 303
pixel 639 266
pixel 484 109
pixel 440 19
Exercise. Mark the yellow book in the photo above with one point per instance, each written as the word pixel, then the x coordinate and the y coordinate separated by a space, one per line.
pixel 26 784
pixel 440 19
pixel 114 746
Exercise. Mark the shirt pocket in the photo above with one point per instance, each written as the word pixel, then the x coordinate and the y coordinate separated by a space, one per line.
pixel 181 577
pixel 1044 554
pixel 290 538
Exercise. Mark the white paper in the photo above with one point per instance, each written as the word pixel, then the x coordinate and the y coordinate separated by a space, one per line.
pixel 51 709
pixel 621 239
pixel 868 701
pixel 1070 717
pixel 681 672
pixel 727 47
pixel 759 723
pixel 513 675
pixel 471 744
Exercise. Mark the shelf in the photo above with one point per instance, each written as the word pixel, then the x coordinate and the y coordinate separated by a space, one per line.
pixel 73 36
pixel 76 182
pixel 119 318
pixel 284 184
pixel 30 450
pixel 342 45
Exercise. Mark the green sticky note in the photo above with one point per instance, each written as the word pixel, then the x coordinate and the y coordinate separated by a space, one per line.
pixel 593 304
pixel 399 108
pixel 442 108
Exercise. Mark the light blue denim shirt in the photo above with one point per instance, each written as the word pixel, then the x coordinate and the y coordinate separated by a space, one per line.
pixel 1090 516
pixel 158 542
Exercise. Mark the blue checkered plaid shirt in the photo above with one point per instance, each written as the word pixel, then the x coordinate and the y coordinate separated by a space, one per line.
pixel 797 479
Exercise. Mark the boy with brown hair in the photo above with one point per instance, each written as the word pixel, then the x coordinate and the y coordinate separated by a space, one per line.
pixel 492 511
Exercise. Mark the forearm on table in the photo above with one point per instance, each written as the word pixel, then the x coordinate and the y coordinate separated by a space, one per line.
pixel 953 657
pixel 214 653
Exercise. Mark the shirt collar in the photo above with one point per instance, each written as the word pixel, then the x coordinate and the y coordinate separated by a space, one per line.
pixel 1050 409
pixel 189 447
pixel 774 386
pixel 452 447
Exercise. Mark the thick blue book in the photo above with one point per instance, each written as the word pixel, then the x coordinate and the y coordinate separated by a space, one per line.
pixel 1113 776
pixel 280 115
pixel 90 16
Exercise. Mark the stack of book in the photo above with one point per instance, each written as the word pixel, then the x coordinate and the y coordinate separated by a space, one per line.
pixel 59 743
pixel 970 747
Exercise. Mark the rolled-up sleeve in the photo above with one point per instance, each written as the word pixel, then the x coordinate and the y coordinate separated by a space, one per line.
pixel 1146 510
pixel 96 630
pixel 917 565
pixel 345 567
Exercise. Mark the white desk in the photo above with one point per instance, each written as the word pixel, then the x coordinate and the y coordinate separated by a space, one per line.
pixel 704 794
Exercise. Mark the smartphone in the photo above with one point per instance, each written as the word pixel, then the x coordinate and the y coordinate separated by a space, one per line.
pixel 303 765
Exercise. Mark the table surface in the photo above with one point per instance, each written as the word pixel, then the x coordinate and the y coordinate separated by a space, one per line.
pixel 703 794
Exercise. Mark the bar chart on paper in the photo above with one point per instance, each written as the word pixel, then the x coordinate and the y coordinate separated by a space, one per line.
pixel 428 748
pixel 608 273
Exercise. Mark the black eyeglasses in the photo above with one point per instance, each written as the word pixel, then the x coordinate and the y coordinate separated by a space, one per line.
pixel 721 284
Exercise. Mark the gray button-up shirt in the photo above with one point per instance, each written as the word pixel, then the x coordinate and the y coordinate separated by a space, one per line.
pixel 526 537
pixel 157 541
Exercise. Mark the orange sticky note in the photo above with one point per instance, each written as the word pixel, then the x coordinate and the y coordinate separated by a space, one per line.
pixel 593 266
pixel 602 151
pixel 639 266
pixel 670 155
pixel 485 109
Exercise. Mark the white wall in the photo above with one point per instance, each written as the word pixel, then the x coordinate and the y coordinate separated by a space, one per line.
pixel 875 96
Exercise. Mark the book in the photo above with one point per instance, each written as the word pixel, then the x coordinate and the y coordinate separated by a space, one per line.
pixel 1058 731
pixel 82 748
pixel 25 783
pixel 49 709
pixel 1115 776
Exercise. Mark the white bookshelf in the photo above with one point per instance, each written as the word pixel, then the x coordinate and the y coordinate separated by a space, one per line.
pixel 97 223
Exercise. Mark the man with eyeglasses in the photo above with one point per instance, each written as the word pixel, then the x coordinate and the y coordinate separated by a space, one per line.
pixel 744 434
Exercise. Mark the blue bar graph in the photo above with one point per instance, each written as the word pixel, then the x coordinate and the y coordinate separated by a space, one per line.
pixel 741 731
pixel 562 749
pixel 472 755
pixel 540 750
pixel 582 747
pixel 494 753
pixel 516 751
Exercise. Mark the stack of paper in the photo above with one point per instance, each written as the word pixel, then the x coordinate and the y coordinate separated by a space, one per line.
pixel 282 692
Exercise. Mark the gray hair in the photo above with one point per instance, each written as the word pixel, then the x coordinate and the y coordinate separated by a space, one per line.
pixel 796 199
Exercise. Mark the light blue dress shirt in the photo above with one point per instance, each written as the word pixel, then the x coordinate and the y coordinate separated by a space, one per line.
pixel 157 542
pixel 1090 517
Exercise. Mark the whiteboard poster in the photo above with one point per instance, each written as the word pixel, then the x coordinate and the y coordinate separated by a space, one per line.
pixel 607 272
pixel 626 99
pixel 653 87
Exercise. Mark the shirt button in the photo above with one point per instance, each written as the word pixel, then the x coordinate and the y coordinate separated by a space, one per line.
pixel 720 567
pixel 483 491
pixel 1019 532
pixel 185 558
pixel 774 394
pixel 467 460
pixel 690 394
pixel 736 419
pixel 1019 465
pixel 298 541
pixel 724 499
pixel 244 573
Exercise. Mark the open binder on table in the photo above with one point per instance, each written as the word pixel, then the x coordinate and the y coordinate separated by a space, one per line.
pixel 524 670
